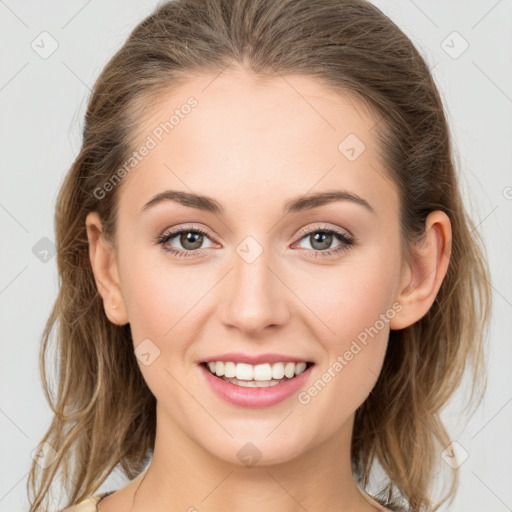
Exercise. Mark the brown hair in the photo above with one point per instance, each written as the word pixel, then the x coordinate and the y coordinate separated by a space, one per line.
pixel 104 413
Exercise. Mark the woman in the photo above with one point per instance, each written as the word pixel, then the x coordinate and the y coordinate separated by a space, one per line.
pixel 270 285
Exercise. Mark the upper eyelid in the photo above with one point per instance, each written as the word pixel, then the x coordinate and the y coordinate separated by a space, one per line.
pixel 343 231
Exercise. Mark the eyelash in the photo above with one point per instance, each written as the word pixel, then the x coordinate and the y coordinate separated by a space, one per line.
pixel 347 241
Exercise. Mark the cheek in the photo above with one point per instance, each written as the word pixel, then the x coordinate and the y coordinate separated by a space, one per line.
pixel 354 305
pixel 161 301
pixel 351 296
pixel 159 295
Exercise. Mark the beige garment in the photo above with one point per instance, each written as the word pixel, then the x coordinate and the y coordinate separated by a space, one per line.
pixel 87 505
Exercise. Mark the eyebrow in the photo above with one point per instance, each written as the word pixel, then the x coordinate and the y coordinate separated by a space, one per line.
pixel 298 204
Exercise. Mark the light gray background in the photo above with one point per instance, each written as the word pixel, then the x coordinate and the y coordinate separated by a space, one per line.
pixel 42 103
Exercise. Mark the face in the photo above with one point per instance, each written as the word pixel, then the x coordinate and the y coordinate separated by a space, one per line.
pixel 317 281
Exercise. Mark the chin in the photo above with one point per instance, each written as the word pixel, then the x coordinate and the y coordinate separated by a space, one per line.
pixel 259 451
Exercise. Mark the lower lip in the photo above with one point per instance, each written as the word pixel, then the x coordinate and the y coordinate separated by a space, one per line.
pixel 255 397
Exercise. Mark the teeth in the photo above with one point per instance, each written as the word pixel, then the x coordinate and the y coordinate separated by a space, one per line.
pixel 260 372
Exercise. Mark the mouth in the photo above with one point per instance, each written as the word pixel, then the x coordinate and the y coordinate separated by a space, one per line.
pixel 260 386
pixel 256 376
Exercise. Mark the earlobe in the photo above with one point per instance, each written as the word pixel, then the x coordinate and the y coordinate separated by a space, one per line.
pixel 106 275
pixel 424 273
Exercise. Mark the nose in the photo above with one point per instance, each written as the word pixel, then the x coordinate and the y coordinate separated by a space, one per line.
pixel 255 296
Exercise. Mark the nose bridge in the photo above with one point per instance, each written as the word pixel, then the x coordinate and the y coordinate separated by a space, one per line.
pixel 254 299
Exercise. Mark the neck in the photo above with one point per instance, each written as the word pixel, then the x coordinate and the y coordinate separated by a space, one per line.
pixel 183 475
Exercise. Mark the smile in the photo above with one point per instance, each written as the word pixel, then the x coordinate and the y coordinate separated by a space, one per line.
pixel 257 386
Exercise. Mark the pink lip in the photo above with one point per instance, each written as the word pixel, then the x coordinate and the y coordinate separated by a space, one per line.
pixel 254 397
pixel 238 357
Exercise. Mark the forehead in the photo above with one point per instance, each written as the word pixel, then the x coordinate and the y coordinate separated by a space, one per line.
pixel 247 136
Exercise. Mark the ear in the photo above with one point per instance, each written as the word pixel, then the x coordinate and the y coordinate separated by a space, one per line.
pixel 422 276
pixel 104 266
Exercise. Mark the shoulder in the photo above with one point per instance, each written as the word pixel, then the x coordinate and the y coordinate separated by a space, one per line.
pixel 89 504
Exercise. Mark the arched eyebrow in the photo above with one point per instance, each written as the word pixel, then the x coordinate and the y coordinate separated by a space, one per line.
pixel 301 203
pixel 310 201
pixel 186 199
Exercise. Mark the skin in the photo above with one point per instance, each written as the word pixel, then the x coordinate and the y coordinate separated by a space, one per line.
pixel 285 139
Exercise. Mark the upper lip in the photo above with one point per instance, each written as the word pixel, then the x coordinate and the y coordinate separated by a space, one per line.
pixel 238 357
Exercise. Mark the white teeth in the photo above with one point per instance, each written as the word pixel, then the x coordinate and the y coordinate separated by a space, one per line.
pixel 278 370
pixel 289 370
pixel 229 369
pixel 261 372
pixel 245 372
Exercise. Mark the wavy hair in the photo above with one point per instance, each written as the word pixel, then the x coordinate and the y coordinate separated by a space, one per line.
pixel 104 414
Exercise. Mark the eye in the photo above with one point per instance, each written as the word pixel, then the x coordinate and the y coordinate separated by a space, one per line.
pixel 190 238
pixel 321 239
